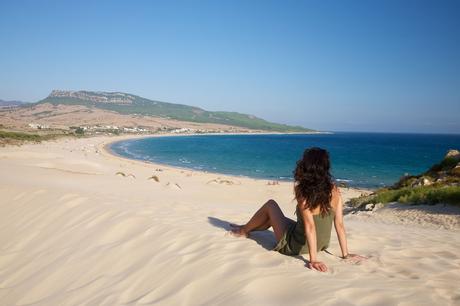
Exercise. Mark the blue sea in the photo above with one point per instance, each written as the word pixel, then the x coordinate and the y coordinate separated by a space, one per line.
pixel 368 160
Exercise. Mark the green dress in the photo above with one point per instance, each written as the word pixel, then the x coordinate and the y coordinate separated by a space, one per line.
pixel 294 242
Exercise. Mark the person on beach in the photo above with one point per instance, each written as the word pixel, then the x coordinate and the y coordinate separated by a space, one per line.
pixel 318 206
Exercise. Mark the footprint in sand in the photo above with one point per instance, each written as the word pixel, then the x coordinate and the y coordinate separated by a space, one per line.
pixel 220 181
pixel 155 178
pixel 119 173
pixel 173 185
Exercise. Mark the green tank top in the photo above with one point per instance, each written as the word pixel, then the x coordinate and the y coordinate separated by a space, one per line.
pixel 294 240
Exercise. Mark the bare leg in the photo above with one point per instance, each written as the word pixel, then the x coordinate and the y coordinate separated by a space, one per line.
pixel 237 229
pixel 263 227
pixel 269 215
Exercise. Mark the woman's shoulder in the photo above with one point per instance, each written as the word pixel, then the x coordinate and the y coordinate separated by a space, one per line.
pixel 335 188
pixel 335 191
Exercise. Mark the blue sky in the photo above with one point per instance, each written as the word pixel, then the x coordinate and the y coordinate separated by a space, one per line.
pixel 388 66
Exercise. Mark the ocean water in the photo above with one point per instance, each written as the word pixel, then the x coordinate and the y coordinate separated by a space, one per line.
pixel 367 160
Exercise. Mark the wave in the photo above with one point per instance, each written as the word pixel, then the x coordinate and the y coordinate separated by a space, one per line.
pixel 344 180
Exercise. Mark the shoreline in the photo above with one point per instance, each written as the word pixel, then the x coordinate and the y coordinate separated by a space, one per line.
pixel 106 147
pixel 110 153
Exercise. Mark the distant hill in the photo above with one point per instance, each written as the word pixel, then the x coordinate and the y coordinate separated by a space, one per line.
pixel 4 103
pixel 125 103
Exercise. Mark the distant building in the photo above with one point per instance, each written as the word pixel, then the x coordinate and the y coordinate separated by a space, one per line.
pixel 38 126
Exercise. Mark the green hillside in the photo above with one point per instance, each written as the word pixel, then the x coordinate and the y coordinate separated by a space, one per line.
pixel 142 106
pixel 439 184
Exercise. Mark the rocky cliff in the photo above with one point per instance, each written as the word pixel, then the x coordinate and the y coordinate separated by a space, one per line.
pixel 98 97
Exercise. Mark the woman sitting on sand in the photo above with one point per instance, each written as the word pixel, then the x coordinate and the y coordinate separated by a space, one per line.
pixel 318 204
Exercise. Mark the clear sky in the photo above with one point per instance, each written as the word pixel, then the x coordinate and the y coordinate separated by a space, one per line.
pixel 390 66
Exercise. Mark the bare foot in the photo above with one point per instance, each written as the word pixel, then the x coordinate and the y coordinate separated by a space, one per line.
pixel 237 230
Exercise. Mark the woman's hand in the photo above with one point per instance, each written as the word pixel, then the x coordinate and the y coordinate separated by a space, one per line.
pixel 354 258
pixel 317 265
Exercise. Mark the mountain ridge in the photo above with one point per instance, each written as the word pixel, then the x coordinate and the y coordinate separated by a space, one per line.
pixel 126 103
pixel 4 103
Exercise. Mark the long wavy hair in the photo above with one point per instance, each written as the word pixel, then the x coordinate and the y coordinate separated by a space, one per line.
pixel 312 180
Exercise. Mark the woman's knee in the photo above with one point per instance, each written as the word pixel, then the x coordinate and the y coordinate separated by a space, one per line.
pixel 272 204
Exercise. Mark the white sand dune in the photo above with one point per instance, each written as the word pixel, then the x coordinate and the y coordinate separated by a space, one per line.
pixel 72 232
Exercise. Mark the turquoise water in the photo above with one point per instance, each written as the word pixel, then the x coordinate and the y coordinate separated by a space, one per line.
pixel 360 159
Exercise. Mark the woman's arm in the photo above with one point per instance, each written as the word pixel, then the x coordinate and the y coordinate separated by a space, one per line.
pixel 340 228
pixel 338 222
pixel 310 233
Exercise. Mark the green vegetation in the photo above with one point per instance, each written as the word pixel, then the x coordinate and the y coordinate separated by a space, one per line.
pixel 412 195
pixel 445 165
pixel 142 106
pixel 113 131
pixel 79 131
pixel 43 114
pixel 17 138
pixel 440 184
pixel 20 136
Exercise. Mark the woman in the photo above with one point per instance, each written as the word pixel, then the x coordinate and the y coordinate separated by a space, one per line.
pixel 318 205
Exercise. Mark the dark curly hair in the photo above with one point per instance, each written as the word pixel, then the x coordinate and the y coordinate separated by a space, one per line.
pixel 313 181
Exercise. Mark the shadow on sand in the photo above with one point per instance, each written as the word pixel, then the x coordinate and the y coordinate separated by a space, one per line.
pixel 265 239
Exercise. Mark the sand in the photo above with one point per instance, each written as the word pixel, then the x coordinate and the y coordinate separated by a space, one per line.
pixel 73 232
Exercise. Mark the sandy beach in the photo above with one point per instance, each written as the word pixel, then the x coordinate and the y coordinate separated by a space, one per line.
pixel 79 226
